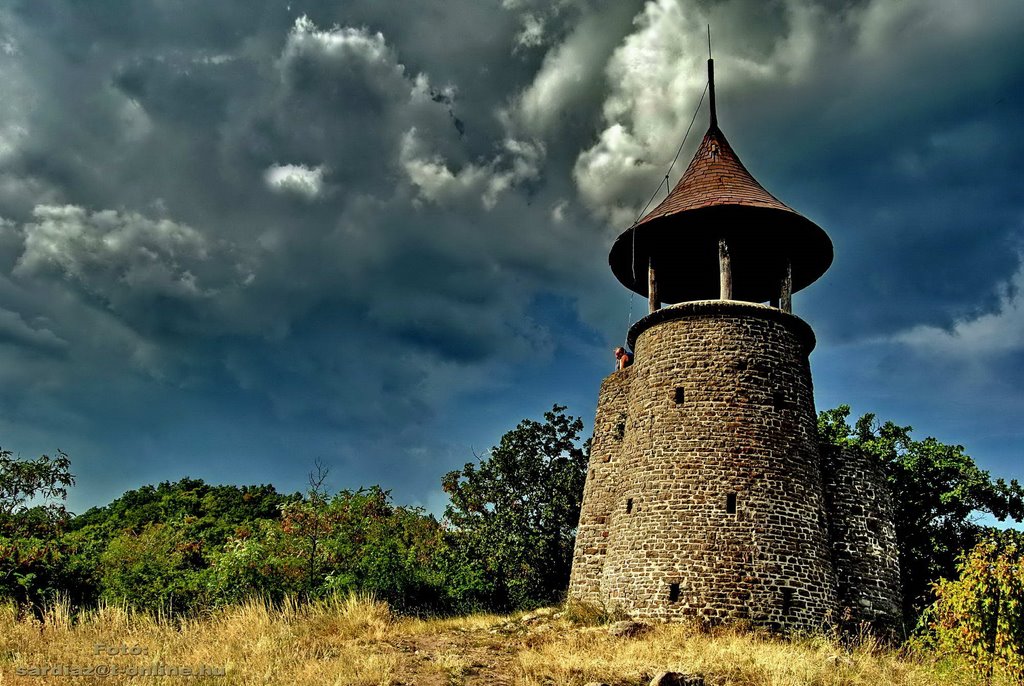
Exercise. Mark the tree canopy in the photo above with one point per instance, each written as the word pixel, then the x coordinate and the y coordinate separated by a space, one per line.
pixel 516 510
pixel 32 515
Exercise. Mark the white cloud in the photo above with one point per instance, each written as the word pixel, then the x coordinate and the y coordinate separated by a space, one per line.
pixel 656 78
pixel 532 33
pixel 122 256
pixel 572 72
pixel 558 211
pixel 346 102
pixel 978 336
pixel 429 173
pixel 19 96
pixel 338 42
pixel 613 174
pixel 216 59
pixel 297 179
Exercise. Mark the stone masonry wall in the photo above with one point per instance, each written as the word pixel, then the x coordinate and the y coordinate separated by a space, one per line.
pixel 863 538
pixel 717 507
pixel 599 491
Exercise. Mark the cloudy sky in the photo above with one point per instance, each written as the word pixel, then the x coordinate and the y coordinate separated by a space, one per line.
pixel 238 236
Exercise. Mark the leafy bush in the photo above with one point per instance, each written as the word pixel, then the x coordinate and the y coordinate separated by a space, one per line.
pixel 156 570
pixel 354 541
pixel 980 616
pixel 255 563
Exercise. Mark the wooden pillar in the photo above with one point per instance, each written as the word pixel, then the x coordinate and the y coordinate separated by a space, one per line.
pixel 653 304
pixel 724 270
pixel 786 297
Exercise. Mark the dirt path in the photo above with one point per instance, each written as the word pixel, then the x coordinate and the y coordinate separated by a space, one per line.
pixel 470 656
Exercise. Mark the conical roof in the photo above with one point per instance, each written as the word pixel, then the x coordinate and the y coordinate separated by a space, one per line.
pixel 715 177
pixel 718 198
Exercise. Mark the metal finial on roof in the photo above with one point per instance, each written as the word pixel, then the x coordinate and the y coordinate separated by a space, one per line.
pixel 711 83
pixel 711 93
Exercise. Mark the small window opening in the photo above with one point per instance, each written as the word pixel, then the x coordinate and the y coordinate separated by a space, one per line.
pixel 629 505
pixel 673 593
pixel 680 396
pixel 730 503
pixel 787 601
pixel 779 399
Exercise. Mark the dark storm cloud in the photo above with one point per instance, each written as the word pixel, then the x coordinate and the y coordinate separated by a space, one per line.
pixel 270 187
pixel 350 220
pixel 15 330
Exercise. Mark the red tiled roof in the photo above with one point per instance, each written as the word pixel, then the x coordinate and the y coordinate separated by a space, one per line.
pixel 718 198
pixel 715 177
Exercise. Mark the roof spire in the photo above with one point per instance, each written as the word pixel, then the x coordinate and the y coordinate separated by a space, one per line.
pixel 769 244
pixel 711 83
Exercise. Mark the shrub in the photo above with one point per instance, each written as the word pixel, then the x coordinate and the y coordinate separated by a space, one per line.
pixel 980 616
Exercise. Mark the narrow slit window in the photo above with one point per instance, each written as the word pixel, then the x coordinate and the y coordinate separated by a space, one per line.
pixel 680 395
pixel 730 503
pixel 673 593
pixel 629 505
pixel 779 399
pixel 787 601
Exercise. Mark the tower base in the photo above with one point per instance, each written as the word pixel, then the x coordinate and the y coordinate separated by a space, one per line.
pixel 705 496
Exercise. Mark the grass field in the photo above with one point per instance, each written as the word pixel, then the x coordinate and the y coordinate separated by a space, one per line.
pixel 359 642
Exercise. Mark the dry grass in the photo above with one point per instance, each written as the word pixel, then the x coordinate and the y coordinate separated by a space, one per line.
pixel 357 641
pixel 724 657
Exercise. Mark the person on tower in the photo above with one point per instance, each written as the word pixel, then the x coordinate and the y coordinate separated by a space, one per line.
pixel 622 358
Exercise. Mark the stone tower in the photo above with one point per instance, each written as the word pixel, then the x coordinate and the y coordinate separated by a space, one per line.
pixel 708 495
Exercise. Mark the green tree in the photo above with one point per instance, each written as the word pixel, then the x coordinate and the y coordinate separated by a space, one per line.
pixel 32 517
pixel 351 541
pixel 158 569
pixel 937 492
pixel 980 615
pixel 383 550
pixel 514 514
pixel 216 511
pixel 257 562
pixel 204 517
pixel 309 522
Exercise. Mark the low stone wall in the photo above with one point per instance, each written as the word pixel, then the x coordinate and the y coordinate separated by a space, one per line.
pixel 863 538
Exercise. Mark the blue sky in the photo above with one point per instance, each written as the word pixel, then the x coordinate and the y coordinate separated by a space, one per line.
pixel 237 237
